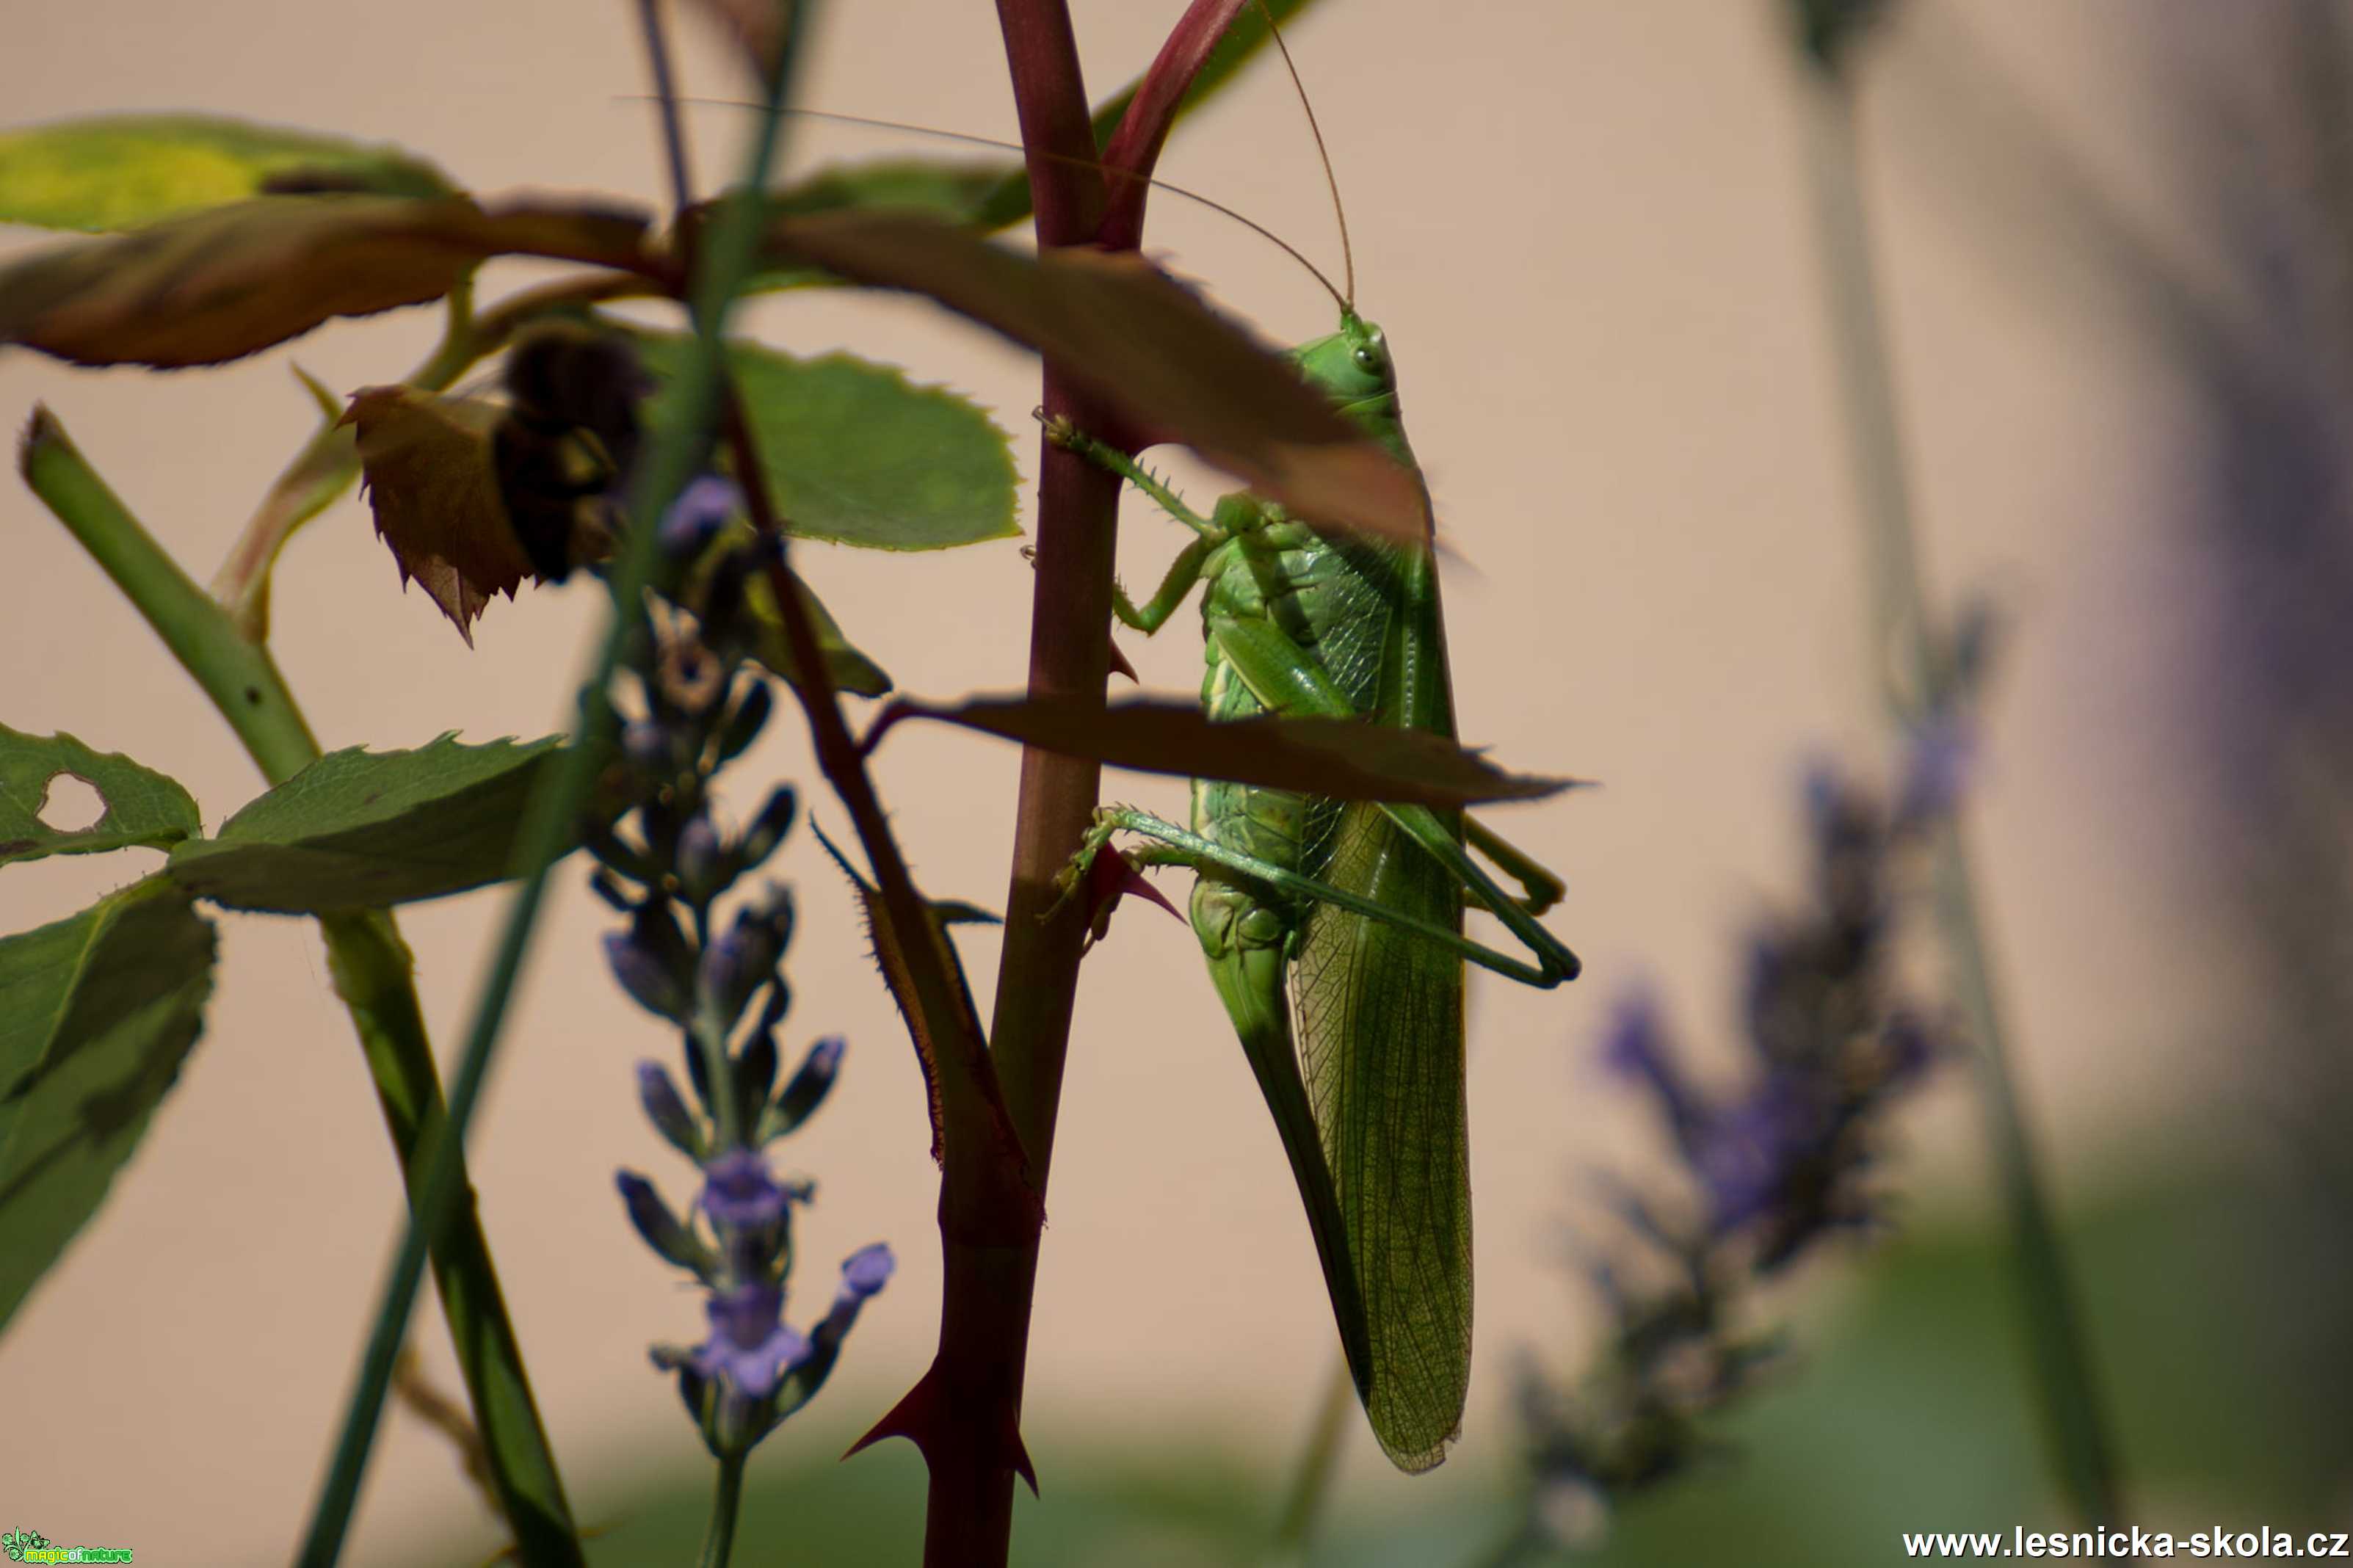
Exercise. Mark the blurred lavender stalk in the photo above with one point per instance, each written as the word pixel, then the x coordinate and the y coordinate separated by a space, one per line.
pixel 2268 157
pixel 1771 1170
pixel 1919 669
pixel 2258 97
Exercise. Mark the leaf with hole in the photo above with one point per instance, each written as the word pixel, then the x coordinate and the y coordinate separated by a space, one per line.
pixel 361 829
pixel 114 172
pixel 97 1013
pixel 142 808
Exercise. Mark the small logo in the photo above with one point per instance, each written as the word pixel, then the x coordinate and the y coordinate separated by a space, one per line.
pixel 32 1546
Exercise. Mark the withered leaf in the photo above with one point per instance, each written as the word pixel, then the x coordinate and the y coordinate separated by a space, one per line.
pixel 230 281
pixel 433 485
pixel 758 26
pixel 1342 759
pixel 1143 341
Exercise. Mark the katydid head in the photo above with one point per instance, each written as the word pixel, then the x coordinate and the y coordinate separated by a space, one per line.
pixel 1351 365
pixel 1353 368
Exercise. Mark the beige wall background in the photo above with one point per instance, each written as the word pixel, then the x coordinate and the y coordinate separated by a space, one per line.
pixel 1585 227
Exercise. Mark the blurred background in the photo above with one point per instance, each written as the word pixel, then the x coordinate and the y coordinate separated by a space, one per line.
pixel 2115 239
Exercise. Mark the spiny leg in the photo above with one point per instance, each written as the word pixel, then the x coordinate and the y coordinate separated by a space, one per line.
pixel 1102 455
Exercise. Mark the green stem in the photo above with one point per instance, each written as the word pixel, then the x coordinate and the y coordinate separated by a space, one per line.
pixel 1311 1482
pixel 726 1503
pixel 370 964
pixel 556 808
pixel 239 676
pixel 1907 655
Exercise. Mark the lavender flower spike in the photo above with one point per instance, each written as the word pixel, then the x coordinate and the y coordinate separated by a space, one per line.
pixel 750 1344
pixel 738 1192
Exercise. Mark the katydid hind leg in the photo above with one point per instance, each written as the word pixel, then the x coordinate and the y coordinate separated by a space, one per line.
pixel 1540 887
pixel 1183 847
pixel 1289 680
pixel 1424 827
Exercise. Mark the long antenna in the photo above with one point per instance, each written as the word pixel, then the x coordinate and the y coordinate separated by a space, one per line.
pixel 1215 205
pixel 1347 253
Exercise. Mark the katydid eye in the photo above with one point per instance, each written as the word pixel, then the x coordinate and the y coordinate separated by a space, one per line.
pixel 1367 360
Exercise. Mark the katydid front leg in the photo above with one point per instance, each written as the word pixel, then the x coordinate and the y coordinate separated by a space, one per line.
pixel 1186 571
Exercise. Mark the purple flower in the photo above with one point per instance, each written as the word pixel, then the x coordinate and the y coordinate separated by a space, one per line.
pixel 640 959
pixel 750 1344
pixel 695 518
pixel 648 745
pixel 863 1274
pixel 1747 1156
pixel 866 1270
pixel 661 1229
pixel 768 828
pixel 1636 1048
pixel 809 1083
pixel 666 1110
pixel 700 851
pixel 1936 769
pixel 737 961
pixel 738 1192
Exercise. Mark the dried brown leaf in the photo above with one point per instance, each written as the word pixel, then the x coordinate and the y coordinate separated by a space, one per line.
pixel 227 281
pixel 1342 759
pixel 433 484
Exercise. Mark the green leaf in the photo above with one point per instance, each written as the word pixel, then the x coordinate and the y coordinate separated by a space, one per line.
pixel 1177 368
pixel 120 172
pixel 958 192
pixel 851 671
pixel 97 1013
pixel 856 453
pixel 143 808
pixel 215 285
pixel 361 829
pixel 1342 759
